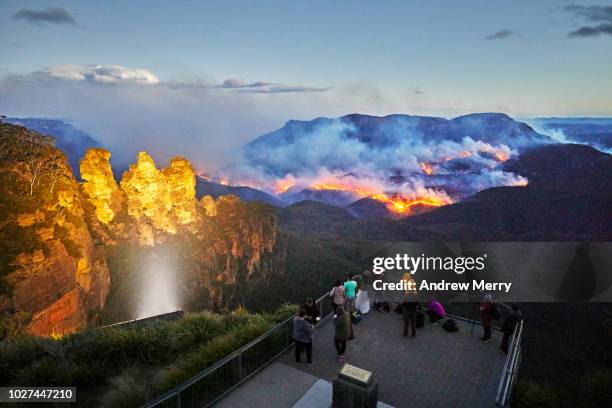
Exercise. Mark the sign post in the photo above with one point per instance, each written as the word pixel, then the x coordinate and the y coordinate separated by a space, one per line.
pixel 354 387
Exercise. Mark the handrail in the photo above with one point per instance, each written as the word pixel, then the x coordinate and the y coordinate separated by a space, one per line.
pixel 173 398
pixel 511 366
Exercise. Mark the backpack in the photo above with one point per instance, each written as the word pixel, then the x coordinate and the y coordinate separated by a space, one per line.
pixel 495 314
pixel 450 326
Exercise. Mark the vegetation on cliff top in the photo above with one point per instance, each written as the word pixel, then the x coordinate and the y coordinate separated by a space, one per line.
pixel 151 358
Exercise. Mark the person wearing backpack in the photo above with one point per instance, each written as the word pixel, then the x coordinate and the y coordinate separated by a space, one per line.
pixel 342 324
pixel 509 325
pixel 486 318
pixel 337 295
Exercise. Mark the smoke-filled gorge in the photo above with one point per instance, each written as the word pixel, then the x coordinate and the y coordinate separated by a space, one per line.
pixel 76 254
pixel 406 164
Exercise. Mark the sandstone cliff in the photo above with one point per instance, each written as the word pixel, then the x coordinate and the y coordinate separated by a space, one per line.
pixel 53 279
pixel 71 255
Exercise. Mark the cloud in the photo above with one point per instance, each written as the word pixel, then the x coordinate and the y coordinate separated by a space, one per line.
pixel 53 15
pixel 276 89
pixel 129 110
pixel 236 83
pixel 105 74
pixel 500 35
pixel 261 87
pixel 602 15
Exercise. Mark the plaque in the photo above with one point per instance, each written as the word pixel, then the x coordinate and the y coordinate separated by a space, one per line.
pixel 355 374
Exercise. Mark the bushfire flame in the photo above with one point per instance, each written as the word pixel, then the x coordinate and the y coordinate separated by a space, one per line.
pixel 396 202
pixel 427 168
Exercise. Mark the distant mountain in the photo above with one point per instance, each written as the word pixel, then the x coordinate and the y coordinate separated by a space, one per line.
pixel 312 216
pixel 334 197
pixel 563 164
pixel 596 132
pixel 72 141
pixel 568 198
pixel 374 133
pixel 368 208
pixel 215 190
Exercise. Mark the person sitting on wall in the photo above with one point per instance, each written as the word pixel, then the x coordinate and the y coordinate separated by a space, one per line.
pixel 435 311
pixel 312 311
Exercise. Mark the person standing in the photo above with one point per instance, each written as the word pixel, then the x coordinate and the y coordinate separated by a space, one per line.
pixel 337 295
pixel 342 323
pixel 509 325
pixel 410 308
pixel 302 334
pixel 350 292
pixel 486 318
pixel 312 311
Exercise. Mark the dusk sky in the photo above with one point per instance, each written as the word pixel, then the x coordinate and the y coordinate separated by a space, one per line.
pixel 238 69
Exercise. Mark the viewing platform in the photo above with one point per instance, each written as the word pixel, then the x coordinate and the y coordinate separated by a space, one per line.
pixel 433 369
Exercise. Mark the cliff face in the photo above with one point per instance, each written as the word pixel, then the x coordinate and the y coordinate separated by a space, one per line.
pixel 69 250
pixel 53 279
pixel 214 246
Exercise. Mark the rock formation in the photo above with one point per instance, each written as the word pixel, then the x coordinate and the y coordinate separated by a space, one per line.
pixel 53 279
pixel 57 237
pixel 100 187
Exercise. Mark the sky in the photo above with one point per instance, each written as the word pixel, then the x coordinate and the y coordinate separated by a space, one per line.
pixel 201 78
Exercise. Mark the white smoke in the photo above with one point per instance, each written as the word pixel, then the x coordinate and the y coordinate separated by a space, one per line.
pixel 158 287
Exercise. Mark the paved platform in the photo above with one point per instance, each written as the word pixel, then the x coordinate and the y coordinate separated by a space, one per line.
pixel 278 385
pixel 434 369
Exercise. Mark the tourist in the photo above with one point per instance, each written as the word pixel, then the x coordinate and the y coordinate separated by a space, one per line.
pixel 509 325
pixel 350 292
pixel 410 308
pixel 312 311
pixel 337 295
pixel 435 311
pixel 302 334
pixel 342 323
pixel 486 318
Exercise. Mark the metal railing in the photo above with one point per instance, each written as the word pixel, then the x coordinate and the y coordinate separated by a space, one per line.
pixel 212 384
pixel 511 367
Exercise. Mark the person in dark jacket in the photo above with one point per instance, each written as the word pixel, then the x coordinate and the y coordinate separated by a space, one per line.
pixel 410 308
pixel 509 325
pixel 312 311
pixel 302 334
pixel 342 324
pixel 486 318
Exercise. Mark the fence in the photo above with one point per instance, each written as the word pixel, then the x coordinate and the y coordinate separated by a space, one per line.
pixel 216 381
pixel 511 367
pixel 222 377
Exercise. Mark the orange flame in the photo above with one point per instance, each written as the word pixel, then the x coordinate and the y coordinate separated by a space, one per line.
pixel 501 156
pixel 427 168
pixel 282 186
pixel 397 203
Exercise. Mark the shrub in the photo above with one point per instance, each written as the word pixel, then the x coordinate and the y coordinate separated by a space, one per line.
pixel 127 390
pixel 528 394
